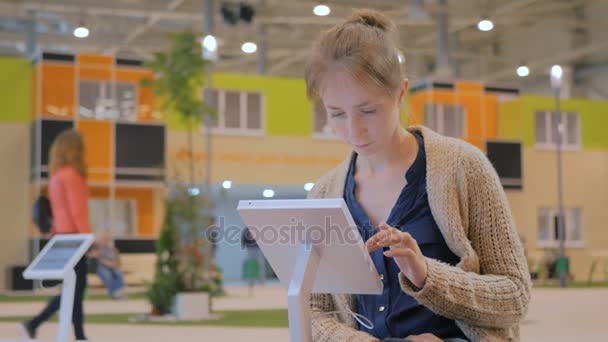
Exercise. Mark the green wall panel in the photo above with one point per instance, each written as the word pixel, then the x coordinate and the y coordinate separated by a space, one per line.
pixel 15 81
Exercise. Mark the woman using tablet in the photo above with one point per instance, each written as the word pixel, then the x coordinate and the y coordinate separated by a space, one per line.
pixel 431 208
pixel 68 193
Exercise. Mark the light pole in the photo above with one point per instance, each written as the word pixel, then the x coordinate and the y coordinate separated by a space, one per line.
pixel 562 268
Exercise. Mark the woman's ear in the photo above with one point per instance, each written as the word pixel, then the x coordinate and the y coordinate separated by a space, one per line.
pixel 404 87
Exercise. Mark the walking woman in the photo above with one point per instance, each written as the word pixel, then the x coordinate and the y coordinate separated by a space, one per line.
pixel 68 193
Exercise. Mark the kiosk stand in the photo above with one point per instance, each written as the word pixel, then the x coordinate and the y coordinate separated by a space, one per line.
pixel 298 294
pixel 56 261
pixel 313 246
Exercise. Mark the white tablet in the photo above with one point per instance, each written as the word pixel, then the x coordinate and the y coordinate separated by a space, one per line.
pixel 281 227
pixel 59 256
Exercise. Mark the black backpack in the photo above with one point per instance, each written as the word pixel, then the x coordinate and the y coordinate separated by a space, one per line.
pixel 42 214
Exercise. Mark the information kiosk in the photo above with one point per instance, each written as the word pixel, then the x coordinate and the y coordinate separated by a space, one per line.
pixel 313 246
pixel 56 261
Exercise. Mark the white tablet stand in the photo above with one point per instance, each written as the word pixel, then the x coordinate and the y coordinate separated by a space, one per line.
pixel 314 247
pixel 56 261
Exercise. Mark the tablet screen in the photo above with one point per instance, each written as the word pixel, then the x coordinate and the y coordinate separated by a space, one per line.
pixel 58 255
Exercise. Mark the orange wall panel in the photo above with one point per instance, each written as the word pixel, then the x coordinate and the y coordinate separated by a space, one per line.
pixel 58 89
pixel 491 128
pixel 145 104
pixel 468 87
pixel 99 192
pixel 130 74
pixel 416 109
pixel 481 109
pixel 474 118
pixel 99 155
pixel 145 208
pixel 95 67
pixel 95 60
pixel 95 73
pixel 145 205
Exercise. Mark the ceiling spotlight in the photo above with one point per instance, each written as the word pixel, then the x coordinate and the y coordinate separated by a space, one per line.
pixel 194 191
pixel 81 31
pixel 485 25
pixel 249 47
pixel 556 76
pixel 227 184
pixel 209 47
pixel 523 71
pixel 308 186
pixel 268 193
pixel 210 43
pixel 321 10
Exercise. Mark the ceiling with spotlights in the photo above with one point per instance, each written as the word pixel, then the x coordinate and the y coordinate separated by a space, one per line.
pixel 531 33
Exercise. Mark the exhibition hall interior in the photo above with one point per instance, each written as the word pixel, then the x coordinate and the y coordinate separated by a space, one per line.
pixel 157 159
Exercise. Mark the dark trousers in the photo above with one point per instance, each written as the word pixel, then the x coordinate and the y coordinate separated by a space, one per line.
pixel 77 314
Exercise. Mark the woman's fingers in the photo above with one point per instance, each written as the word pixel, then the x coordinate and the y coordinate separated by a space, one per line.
pixel 384 226
pixel 389 237
pixel 399 252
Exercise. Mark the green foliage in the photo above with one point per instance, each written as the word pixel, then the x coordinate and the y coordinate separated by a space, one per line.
pixel 180 77
pixel 167 280
pixel 194 254
pixel 179 80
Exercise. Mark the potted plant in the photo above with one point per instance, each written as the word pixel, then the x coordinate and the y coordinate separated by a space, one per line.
pixel 167 280
pixel 179 81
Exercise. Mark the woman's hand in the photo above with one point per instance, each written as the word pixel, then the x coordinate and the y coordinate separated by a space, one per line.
pixel 403 249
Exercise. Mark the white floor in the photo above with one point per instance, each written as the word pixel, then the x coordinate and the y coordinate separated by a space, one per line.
pixel 554 315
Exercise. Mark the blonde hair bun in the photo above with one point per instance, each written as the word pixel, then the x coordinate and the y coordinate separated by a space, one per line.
pixel 372 19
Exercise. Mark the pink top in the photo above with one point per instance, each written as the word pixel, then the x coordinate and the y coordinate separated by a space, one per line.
pixel 69 196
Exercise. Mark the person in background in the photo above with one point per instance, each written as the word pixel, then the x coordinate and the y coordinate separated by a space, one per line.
pixel 68 194
pixel 108 265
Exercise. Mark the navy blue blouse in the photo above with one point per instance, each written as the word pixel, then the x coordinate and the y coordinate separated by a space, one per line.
pixel 394 313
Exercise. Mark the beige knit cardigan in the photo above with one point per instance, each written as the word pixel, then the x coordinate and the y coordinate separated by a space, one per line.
pixel 488 291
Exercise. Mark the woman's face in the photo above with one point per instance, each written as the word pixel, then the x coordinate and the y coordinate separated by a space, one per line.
pixel 363 116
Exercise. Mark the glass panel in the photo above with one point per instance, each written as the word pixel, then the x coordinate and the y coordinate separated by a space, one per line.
pixel 254 110
pixel 124 216
pixel 541 128
pixel 232 114
pixel 127 101
pixel 574 224
pixel 572 132
pixel 430 116
pixel 544 225
pixel 124 213
pixel 88 94
pixel 453 121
